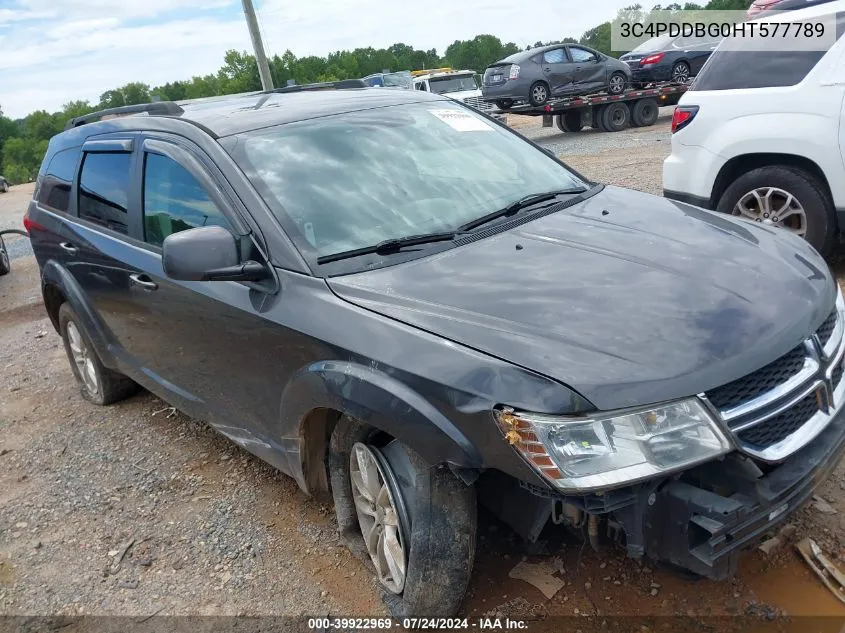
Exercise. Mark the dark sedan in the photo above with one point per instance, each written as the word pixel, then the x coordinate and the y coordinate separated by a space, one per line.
pixel 669 58
pixel 561 70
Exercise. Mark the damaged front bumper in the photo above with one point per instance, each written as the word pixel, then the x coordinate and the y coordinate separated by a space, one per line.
pixel 697 521
pixel 703 520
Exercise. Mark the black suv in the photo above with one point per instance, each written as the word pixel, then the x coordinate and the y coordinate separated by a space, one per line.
pixel 395 299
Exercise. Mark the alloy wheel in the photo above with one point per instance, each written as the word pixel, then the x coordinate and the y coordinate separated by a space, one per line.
pixel 617 84
pixel 773 207
pixel 680 73
pixel 539 94
pixel 83 359
pixel 379 507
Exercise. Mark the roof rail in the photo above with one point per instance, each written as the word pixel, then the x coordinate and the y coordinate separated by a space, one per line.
pixel 344 84
pixel 164 108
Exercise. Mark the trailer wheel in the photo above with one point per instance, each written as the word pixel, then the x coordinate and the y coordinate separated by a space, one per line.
pixel 570 121
pixel 597 118
pixel 615 117
pixel 644 113
pixel 539 93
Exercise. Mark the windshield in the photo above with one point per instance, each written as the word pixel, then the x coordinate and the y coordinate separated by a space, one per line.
pixel 351 180
pixel 453 84
pixel 654 44
pixel 398 80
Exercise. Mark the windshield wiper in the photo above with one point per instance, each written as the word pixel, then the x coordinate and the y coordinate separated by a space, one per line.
pixel 393 245
pixel 515 207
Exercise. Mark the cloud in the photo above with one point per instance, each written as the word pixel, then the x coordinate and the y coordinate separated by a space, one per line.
pixel 101 44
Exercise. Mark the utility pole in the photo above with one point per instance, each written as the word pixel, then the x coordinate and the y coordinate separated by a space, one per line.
pixel 260 57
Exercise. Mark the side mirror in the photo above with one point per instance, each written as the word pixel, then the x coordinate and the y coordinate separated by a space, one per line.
pixel 207 253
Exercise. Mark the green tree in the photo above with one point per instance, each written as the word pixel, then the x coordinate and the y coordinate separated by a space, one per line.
pixel 478 53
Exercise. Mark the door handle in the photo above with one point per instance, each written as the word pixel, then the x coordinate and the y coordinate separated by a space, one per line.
pixel 143 281
pixel 547 69
pixel 68 247
pixel 577 68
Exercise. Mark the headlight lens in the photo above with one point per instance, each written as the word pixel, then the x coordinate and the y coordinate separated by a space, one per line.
pixel 590 453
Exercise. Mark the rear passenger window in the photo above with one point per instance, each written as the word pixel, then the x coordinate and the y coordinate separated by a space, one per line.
pixel 556 56
pixel 731 70
pixel 103 189
pixel 174 201
pixel 735 69
pixel 54 192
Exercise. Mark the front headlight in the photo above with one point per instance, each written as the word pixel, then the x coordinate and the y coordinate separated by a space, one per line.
pixel 609 450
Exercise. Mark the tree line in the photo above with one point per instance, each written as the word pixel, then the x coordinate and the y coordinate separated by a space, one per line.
pixel 23 142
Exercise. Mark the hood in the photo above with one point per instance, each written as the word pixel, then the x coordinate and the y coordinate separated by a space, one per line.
pixel 460 95
pixel 627 298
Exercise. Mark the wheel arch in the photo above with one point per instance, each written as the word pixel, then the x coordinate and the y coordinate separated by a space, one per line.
pixel 744 163
pixel 315 399
pixel 58 286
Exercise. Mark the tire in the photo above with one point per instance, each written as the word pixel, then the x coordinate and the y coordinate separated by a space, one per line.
pixel 504 104
pixel 538 94
pixel 595 118
pixel 644 112
pixel 680 72
pixel 615 117
pixel 4 187
pixel 5 265
pixel 820 224
pixel 617 83
pixel 102 386
pixel 570 121
pixel 440 515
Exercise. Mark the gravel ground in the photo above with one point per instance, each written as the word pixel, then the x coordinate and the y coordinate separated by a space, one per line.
pixel 12 208
pixel 135 509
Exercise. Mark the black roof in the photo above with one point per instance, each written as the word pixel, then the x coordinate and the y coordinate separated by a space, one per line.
pixel 242 113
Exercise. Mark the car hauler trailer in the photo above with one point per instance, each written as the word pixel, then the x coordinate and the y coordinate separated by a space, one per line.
pixel 605 112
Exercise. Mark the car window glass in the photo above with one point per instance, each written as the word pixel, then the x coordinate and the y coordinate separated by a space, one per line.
pixel 737 68
pixel 174 201
pixel 556 56
pixel 54 191
pixel 581 55
pixel 351 180
pixel 103 189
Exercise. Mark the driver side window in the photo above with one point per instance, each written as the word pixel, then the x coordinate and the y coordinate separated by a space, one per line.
pixel 175 201
pixel 581 54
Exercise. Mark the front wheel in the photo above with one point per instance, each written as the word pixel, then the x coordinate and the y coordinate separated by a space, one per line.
pixel 504 104
pixel 538 94
pixel 412 523
pixel 5 265
pixel 617 83
pixel 788 198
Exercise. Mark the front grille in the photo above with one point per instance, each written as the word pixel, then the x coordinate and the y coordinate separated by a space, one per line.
pixel 752 407
pixel 478 103
pixel 759 382
pixel 826 329
pixel 781 426
pixel 633 63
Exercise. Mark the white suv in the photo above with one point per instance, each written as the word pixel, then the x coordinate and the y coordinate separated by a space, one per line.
pixel 761 134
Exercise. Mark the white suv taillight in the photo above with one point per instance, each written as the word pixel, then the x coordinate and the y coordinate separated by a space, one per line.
pixel 514 73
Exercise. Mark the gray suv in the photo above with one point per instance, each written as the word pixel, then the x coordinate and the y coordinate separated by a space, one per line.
pixel 412 310
pixel 561 70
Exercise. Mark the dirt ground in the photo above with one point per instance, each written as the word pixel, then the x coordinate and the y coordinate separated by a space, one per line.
pixel 134 509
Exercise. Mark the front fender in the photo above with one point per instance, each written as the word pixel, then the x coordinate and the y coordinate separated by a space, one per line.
pixel 55 275
pixel 373 397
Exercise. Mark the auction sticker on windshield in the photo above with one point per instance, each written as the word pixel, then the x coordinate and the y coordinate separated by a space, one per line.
pixel 461 121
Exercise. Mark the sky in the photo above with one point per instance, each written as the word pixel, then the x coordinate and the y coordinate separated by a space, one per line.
pixel 55 51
